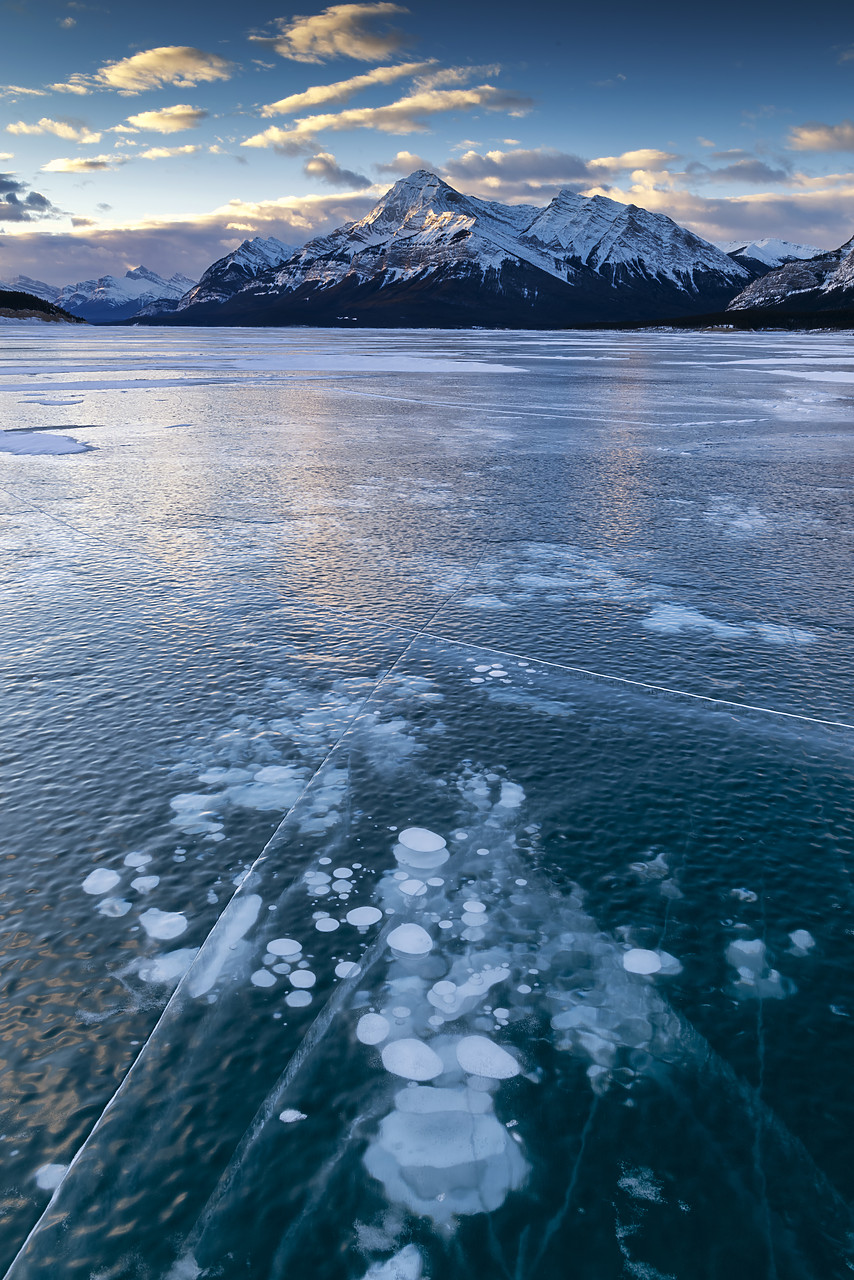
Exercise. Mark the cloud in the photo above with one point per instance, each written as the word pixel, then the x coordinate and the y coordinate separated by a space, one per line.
pixel 166 153
pixel 77 83
pixel 448 76
pixel 325 167
pixel 69 130
pixel 169 119
pixel 645 158
pixel 406 115
pixel 82 164
pixel 176 64
pixel 538 165
pixel 748 169
pixel 67 23
pixel 341 31
pixel 7 155
pixel 17 91
pixel 406 162
pixel 342 90
pixel 705 142
pixel 814 136
pixel 19 205
pixel 189 245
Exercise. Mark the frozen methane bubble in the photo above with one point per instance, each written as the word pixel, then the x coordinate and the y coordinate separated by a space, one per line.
pixel 481 1057
pixel 802 941
pixel 49 1176
pixel 167 969
pixel 100 881
pixel 302 978
pixel 291 1116
pixel 114 906
pixel 405 1265
pixel 137 860
pixel 327 925
pixel 298 999
pixel 163 924
pixel 372 1028
pixel 420 840
pixel 346 969
pixel 412 1059
pixel 284 947
pixel 361 917
pixel 144 884
pixel 410 940
pixel 640 961
pixel 262 978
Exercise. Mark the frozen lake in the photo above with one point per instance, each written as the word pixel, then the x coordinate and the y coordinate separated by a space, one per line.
pixel 427 817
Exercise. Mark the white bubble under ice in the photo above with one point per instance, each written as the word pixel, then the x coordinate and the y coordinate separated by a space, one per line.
pixel 101 880
pixel 638 960
pixel 481 1057
pixel 49 1176
pixel 410 940
pixel 372 1028
pixel 361 917
pixel 262 978
pixel 412 1060
pixel 302 978
pixel 163 924
pixel 291 1116
pixel 297 999
pixel 420 840
pixel 284 947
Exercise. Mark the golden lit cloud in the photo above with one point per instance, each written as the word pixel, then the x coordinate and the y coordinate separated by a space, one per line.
pixel 404 116
pixel 59 128
pixel 165 153
pixel 823 137
pixel 174 64
pixel 645 158
pixel 342 90
pixel 343 30
pixel 169 119
pixel 82 164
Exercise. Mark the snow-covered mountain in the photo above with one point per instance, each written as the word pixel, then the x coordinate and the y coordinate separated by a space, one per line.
pixel 768 252
pixel 822 283
pixel 428 255
pixel 235 271
pixel 26 284
pixel 109 297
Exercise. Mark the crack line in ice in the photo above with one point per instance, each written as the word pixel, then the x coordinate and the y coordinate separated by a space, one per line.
pixel 637 684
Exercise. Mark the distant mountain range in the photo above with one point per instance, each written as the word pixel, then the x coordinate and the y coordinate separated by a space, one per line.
pixel 110 298
pixel 428 256
pixel 824 283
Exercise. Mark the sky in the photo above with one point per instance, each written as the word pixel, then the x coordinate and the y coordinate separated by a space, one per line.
pixel 166 132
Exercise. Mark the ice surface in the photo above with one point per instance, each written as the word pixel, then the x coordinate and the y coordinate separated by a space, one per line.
pixel 41 442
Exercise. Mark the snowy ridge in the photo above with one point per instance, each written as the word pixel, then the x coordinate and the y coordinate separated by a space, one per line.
pixel 770 251
pixel 823 282
pixel 235 271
